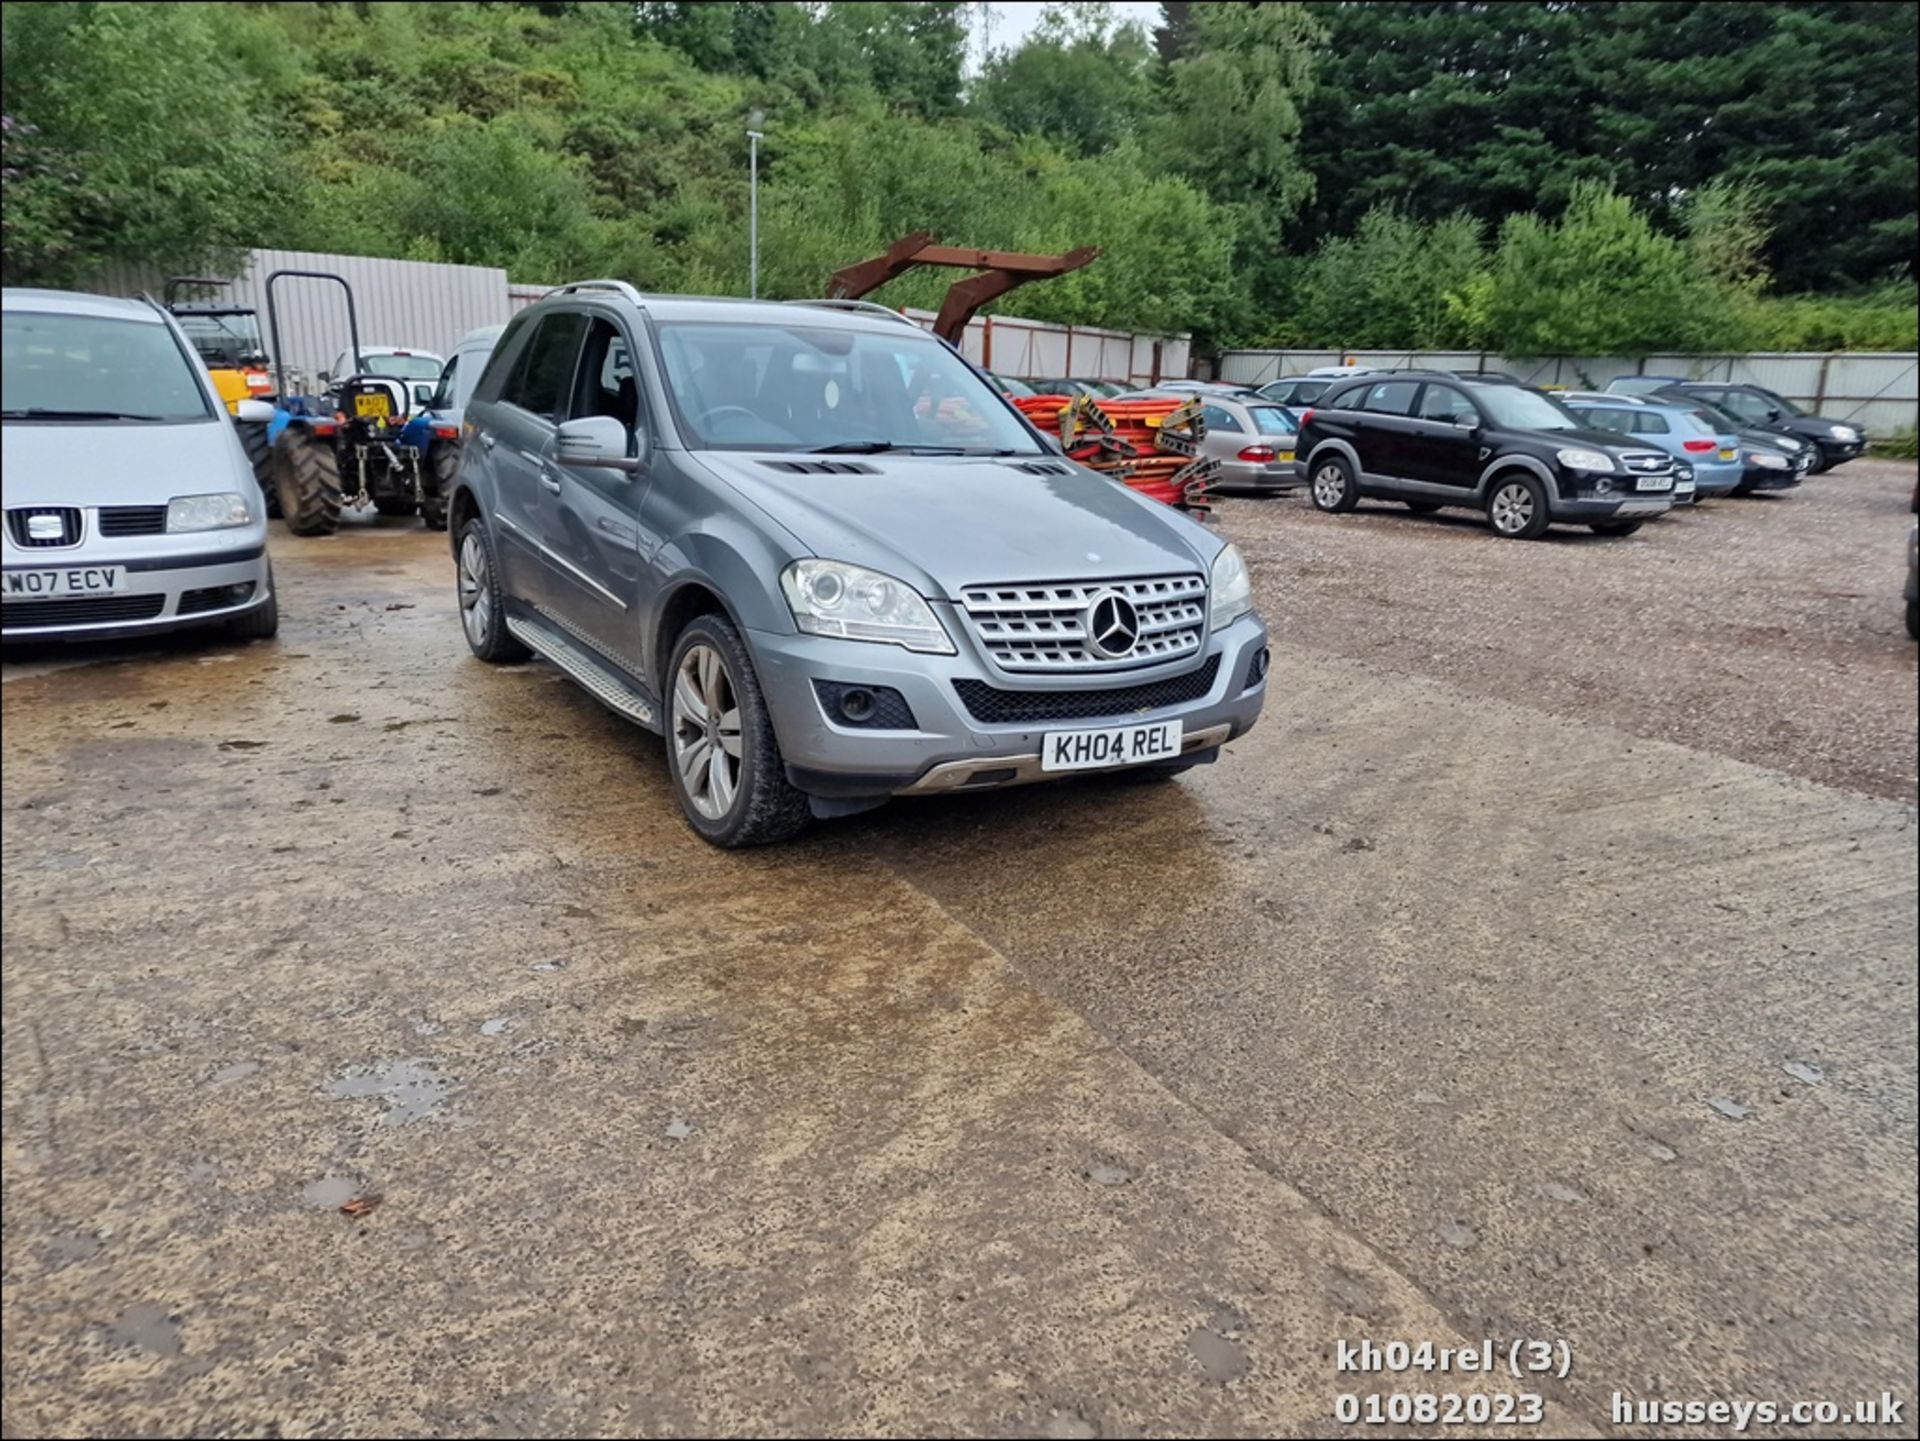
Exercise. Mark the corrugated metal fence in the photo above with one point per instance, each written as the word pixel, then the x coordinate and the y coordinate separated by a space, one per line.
pixel 430 306
pixel 412 303
pixel 1878 390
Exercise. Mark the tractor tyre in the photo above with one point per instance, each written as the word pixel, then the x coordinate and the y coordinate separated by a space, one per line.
pixel 444 463
pixel 307 475
pixel 253 439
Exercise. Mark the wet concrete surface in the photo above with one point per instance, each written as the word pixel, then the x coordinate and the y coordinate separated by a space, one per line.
pixel 1084 1110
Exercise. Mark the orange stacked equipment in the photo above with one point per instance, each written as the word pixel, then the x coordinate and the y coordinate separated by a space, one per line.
pixel 1151 444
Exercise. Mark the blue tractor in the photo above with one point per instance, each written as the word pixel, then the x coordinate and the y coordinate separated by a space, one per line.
pixel 344 446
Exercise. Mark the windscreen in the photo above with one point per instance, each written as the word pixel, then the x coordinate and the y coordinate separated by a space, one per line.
pixel 401 367
pixel 225 342
pixel 89 367
pixel 799 387
pixel 1520 409
pixel 1787 407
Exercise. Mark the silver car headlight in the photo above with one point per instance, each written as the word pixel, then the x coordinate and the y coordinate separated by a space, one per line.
pixel 850 602
pixel 1766 460
pixel 1584 460
pixel 1232 588
pixel 208 512
pixel 1846 434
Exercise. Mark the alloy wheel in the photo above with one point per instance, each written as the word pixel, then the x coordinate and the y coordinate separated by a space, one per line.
pixel 706 731
pixel 1329 484
pixel 1512 508
pixel 476 591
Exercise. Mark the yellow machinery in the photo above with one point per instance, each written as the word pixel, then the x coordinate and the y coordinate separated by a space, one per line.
pixel 227 338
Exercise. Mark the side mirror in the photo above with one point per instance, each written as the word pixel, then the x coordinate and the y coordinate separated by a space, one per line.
pixel 1773 412
pixel 326 377
pixel 423 394
pixel 254 412
pixel 598 442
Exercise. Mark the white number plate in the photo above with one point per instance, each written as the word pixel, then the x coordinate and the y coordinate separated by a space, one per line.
pixel 54 584
pixel 1654 482
pixel 1118 746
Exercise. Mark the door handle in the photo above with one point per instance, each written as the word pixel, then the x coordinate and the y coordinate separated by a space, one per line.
pixel 549 480
pixel 488 440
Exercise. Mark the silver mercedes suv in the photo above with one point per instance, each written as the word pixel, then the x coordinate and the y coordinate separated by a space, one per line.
pixel 815 550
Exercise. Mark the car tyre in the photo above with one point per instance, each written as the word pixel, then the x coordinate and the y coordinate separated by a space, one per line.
pixel 1333 488
pixel 306 473
pixel 1615 527
pixel 263 621
pixel 1913 619
pixel 483 609
pixel 722 755
pixel 1517 506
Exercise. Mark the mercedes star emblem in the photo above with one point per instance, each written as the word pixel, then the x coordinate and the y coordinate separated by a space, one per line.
pixel 1113 625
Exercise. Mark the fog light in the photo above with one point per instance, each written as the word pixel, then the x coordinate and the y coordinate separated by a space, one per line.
pixel 1257 667
pixel 856 704
pixel 1603 486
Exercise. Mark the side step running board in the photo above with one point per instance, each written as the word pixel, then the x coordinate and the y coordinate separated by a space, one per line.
pixel 610 690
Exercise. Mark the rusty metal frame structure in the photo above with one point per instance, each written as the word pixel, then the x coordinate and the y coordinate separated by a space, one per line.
pixel 1000 272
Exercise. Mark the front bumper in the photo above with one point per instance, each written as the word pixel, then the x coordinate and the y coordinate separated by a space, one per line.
pixel 1833 452
pixel 948 749
pixel 1621 505
pixel 163 593
pixel 1770 477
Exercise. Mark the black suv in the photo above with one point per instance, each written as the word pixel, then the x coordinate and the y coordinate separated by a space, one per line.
pixel 1433 438
pixel 1834 441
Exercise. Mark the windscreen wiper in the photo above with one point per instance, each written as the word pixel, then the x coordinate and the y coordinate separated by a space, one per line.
pixel 40 413
pixel 880 447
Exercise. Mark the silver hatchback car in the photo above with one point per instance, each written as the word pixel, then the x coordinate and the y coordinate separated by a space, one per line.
pixel 130 504
pixel 822 556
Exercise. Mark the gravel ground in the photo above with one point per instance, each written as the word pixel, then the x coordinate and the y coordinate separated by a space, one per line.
pixel 1768 629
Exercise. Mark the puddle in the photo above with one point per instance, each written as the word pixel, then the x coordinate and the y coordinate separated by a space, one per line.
pixel 1805 1071
pixel 149 1327
pixel 1730 1108
pixel 1220 1360
pixel 411 1089
pixel 498 1026
pixel 329 1193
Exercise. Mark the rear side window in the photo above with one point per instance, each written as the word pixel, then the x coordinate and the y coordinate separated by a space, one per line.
pixel 539 383
pixel 1392 397
pixel 505 354
pixel 1645 422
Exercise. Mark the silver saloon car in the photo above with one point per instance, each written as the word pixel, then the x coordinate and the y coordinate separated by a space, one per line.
pixel 130 504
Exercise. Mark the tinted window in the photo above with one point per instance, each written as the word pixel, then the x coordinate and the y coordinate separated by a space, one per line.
pixel 504 359
pixel 1646 422
pixel 798 386
pixel 1787 407
pixel 541 378
pixel 1444 403
pixel 1743 403
pixel 1392 397
pixel 606 384
pixel 55 364
pixel 1272 420
pixel 1219 418
pixel 444 391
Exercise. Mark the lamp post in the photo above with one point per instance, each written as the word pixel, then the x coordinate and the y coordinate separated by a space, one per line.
pixel 755 119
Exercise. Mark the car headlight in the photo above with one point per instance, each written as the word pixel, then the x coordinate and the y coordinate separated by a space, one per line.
pixel 208 512
pixel 1766 460
pixel 1584 459
pixel 849 602
pixel 1845 433
pixel 1232 588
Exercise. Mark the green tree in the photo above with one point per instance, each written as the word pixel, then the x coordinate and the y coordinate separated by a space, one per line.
pixel 1079 79
pixel 148 139
pixel 1599 281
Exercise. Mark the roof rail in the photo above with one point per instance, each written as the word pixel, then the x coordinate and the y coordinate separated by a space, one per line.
pixel 620 286
pixel 872 307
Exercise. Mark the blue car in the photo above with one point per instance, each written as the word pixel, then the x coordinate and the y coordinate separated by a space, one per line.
pixel 1685 433
pixel 434 429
